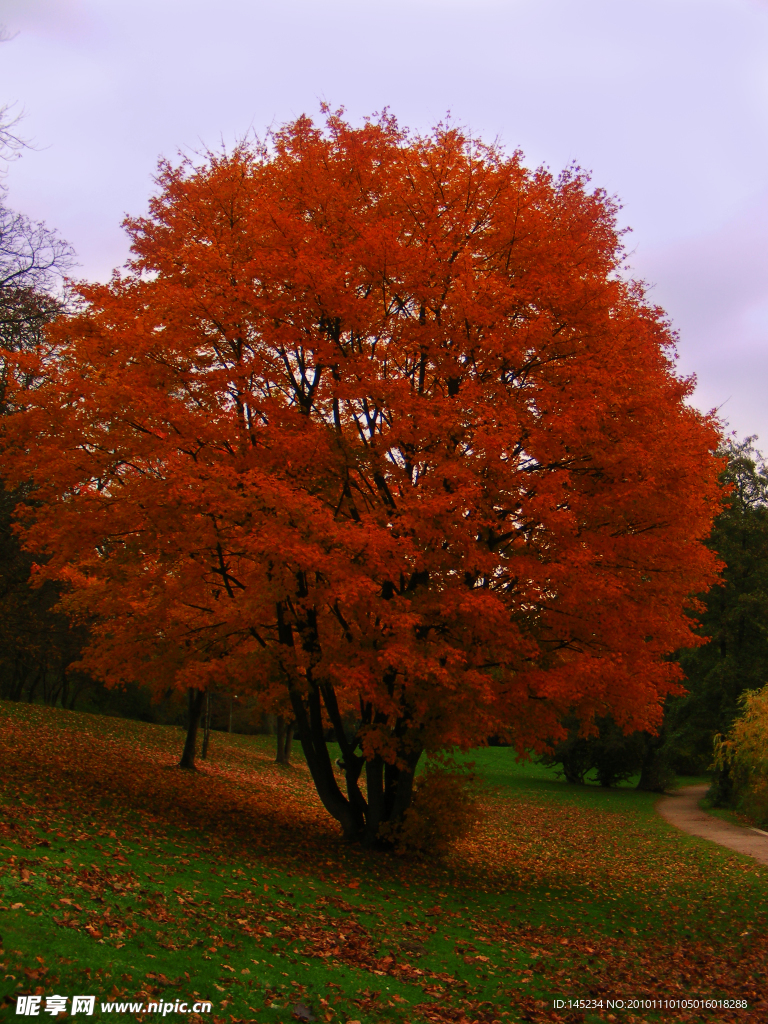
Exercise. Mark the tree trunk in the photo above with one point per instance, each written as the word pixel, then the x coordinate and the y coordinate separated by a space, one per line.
pixel 17 684
pixel 656 774
pixel 34 685
pixel 64 687
pixel 308 714
pixel 390 791
pixel 206 725
pixel 390 787
pixel 310 722
pixel 279 755
pixel 196 700
pixel 284 740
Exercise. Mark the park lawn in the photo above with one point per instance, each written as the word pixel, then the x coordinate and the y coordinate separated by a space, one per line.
pixel 123 877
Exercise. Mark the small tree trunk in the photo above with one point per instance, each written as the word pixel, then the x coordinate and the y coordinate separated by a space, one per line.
pixel 284 740
pixel 656 774
pixel 280 756
pixel 206 725
pixel 17 684
pixel 34 685
pixel 229 727
pixel 196 699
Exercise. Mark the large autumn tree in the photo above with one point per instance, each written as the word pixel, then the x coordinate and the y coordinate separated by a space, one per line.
pixel 373 418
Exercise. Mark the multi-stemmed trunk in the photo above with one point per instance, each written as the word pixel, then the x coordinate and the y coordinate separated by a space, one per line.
pixel 389 786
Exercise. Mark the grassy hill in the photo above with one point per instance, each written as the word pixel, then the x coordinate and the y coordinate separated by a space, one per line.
pixel 125 878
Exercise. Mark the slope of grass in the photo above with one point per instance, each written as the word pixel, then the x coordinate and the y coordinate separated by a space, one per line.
pixel 123 877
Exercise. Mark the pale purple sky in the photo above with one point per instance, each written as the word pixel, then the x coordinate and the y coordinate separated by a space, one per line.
pixel 664 101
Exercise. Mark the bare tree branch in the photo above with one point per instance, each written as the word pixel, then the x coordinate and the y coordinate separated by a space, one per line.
pixel 31 255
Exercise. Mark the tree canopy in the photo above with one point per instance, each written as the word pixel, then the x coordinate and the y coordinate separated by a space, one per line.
pixel 374 418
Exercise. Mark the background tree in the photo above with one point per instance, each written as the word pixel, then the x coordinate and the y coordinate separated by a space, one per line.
pixel 37 645
pixel 375 415
pixel 735 616
pixel 611 754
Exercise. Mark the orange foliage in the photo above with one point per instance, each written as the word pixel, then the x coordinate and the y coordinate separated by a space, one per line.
pixel 373 419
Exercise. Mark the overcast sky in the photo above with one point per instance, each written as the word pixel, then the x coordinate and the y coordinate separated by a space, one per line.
pixel 664 101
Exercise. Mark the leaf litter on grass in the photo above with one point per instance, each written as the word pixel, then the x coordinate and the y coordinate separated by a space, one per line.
pixel 239 862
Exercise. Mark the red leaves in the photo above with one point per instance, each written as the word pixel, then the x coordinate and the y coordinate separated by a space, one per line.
pixel 391 429
pixel 161 980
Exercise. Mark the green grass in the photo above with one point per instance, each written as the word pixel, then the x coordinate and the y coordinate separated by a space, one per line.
pixel 734 817
pixel 125 878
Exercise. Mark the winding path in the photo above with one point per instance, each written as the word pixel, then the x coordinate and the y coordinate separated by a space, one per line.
pixel 682 810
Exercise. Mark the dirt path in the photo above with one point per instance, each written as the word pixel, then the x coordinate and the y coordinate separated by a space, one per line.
pixel 682 809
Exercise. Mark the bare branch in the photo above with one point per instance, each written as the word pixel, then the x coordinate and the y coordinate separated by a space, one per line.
pixel 31 255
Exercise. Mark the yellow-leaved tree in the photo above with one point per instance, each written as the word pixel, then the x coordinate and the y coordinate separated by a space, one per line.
pixel 742 756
